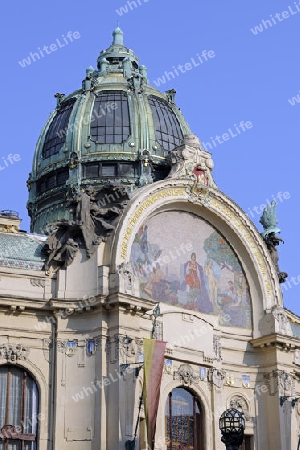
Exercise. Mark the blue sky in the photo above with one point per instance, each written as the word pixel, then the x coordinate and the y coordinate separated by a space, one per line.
pixel 251 78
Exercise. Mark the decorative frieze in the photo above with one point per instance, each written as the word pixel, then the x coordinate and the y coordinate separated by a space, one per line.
pixel 13 353
pixel 297 357
pixel 124 349
pixel 280 382
pixel 37 282
pixel 282 324
pixel 47 344
pixel 217 347
pixel 127 277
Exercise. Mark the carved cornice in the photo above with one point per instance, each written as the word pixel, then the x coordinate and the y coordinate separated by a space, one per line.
pixel 276 340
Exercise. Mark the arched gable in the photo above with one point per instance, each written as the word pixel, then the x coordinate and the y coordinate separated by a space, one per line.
pixel 219 212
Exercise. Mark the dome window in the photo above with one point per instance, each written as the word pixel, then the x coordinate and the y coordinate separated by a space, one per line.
pixel 167 128
pixel 52 180
pixel 104 169
pixel 58 129
pixel 111 124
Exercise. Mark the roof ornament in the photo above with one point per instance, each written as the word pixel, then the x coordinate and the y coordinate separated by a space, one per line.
pixel 146 173
pixel 171 95
pixel 191 162
pixel 118 36
pixel 269 222
pixel 59 98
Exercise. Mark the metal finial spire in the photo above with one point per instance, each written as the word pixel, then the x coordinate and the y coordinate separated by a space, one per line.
pixel 117 36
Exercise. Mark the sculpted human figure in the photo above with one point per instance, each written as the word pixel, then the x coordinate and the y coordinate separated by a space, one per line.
pixel 67 252
pixel 269 222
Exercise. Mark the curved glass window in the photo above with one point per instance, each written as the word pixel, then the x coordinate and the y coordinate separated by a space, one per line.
pixel 18 409
pixel 110 123
pixel 167 128
pixel 183 421
pixel 57 132
pixel 105 169
pixel 51 181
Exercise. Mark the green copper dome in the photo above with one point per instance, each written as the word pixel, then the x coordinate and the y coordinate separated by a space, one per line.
pixel 115 129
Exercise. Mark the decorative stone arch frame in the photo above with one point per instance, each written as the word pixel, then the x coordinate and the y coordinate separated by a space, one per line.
pixel 43 391
pixel 202 398
pixel 246 408
pixel 220 212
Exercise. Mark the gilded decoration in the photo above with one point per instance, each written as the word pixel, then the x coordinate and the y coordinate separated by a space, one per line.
pixel 163 194
pixel 221 208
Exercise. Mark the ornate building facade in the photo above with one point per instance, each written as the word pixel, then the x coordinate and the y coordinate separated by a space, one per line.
pixel 125 215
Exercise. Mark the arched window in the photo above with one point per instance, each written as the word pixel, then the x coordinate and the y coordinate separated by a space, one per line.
pixel 167 127
pixel 58 129
pixel 110 122
pixel 18 409
pixel 183 421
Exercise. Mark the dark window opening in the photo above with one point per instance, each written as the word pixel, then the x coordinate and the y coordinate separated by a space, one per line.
pixel 109 170
pixel 18 409
pixel 183 421
pixel 167 127
pixel 111 124
pixel 160 172
pixel 100 169
pixel 52 180
pixel 58 129
pixel 115 60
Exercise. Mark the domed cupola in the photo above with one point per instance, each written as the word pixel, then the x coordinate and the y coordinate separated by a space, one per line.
pixel 116 129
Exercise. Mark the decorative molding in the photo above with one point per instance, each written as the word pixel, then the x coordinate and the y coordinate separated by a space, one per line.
pixel 62 346
pixel 239 402
pixel 158 330
pixel 186 375
pixel 187 317
pixel 216 377
pixel 190 161
pixel 280 382
pixel 13 353
pixel 282 323
pixel 217 347
pixel 297 357
pixel 286 383
pixel 47 344
pixel 127 277
pixel 37 282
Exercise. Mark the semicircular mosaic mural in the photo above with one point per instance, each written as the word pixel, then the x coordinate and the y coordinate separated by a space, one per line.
pixel 181 260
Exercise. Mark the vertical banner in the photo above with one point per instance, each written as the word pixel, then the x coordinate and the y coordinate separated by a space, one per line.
pixel 154 352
